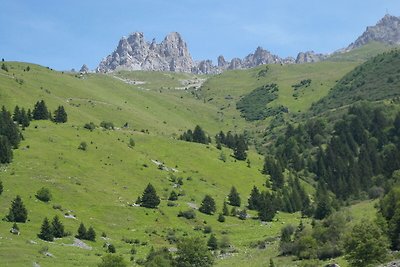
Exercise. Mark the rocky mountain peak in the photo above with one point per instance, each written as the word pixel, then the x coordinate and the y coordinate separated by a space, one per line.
pixel 387 31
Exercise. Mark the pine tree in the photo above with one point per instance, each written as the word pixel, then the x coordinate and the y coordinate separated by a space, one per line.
pixel 225 210
pixel 240 149
pixel 254 199
pixel 57 227
pixel 8 128
pixel 207 205
pixel 324 205
pixel 40 111
pixel 60 116
pixel 150 198
pixel 234 198
pixel 46 233
pixel 81 232
pixel 17 114
pixel 173 196
pixel 199 136
pixel 268 207
pixel 24 118
pixel 212 243
pixel 6 153
pixel 90 234
pixel 17 212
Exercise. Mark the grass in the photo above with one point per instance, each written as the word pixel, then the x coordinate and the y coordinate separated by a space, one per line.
pixel 99 185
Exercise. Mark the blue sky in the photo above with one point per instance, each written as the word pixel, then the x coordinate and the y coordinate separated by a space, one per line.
pixel 65 34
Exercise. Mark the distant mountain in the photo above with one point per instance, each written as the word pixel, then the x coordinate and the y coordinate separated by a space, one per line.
pixel 386 31
pixel 172 54
pixel 135 53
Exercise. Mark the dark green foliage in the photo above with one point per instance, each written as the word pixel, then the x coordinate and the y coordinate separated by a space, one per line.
pixel 82 146
pixel 233 197
pixel 43 194
pixel 197 136
pixel 57 227
pixel 274 169
pixel 6 153
pixel 324 204
pixel 240 149
pixel 40 111
pixel 9 129
pixel 212 242
pixel 159 258
pixel 90 126
pixel 268 207
pixel 4 67
pixel 107 125
pixel 221 217
pixel 254 199
pixel 366 82
pixel 302 84
pixel 243 214
pixel 192 252
pixel 225 210
pixel 253 106
pixel 46 233
pixel 17 212
pixel 81 232
pixel 110 260
pixel 111 248
pixel 150 198
pixel 189 214
pixel 390 210
pixel 131 143
pixel 90 234
pixel 366 245
pixel 173 196
pixel 1 187
pixel 271 263
pixel 207 205
pixel 60 116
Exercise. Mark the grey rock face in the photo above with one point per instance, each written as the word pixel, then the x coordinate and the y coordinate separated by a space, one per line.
pixel 134 53
pixel 205 67
pixel 222 62
pixel 309 57
pixel 387 31
pixel 260 57
pixel 84 69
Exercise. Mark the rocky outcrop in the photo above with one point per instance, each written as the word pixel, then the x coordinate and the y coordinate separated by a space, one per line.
pixel 387 31
pixel 309 57
pixel 84 69
pixel 135 53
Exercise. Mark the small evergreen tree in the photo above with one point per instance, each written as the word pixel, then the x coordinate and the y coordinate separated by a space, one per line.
pixel 81 232
pixel 57 227
pixel 60 116
pixel 17 212
pixel 90 234
pixel 24 118
pixel 199 136
pixel 173 196
pixel 254 199
pixel 40 111
pixel 225 210
pixel 1 187
pixel 221 218
pixel 234 198
pixel 46 233
pixel 111 248
pixel 207 205
pixel 6 153
pixel 212 243
pixel 240 149
pixel 17 114
pixel 150 198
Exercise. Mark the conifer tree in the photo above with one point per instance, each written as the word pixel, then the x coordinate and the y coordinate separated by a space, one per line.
pixel 6 153
pixel 24 118
pixel 8 128
pixel 60 116
pixel 17 114
pixel 173 196
pixel 46 233
pixel 221 217
pixel 225 210
pixel 199 136
pixel 1 187
pixel 233 197
pixel 207 205
pixel 90 234
pixel 254 199
pixel 40 111
pixel 57 227
pixel 150 198
pixel 81 232
pixel 240 149
pixel 17 212
pixel 268 207
pixel 212 243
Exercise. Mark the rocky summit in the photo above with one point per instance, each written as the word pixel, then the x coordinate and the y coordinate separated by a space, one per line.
pixel 135 53
pixel 387 31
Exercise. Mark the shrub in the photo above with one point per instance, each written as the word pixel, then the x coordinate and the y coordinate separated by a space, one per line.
pixel 90 126
pixel 43 194
pixel 189 214
pixel 107 125
pixel 83 146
